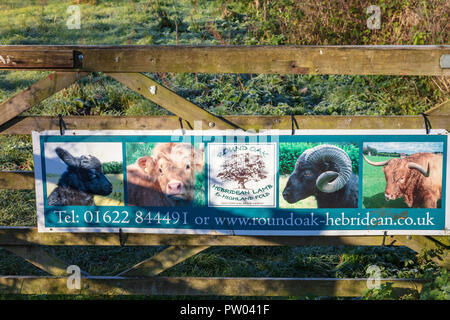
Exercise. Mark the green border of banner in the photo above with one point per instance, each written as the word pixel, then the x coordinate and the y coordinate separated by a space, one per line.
pixel 437 215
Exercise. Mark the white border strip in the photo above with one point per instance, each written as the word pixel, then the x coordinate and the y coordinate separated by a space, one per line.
pixel 39 186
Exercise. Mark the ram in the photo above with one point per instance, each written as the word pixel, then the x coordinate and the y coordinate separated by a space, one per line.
pixel 417 178
pixel 324 172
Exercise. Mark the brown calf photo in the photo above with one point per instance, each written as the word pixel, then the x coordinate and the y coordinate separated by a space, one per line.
pixel 165 174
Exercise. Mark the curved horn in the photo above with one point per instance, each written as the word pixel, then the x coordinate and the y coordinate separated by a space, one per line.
pixel 331 181
pixel 418 167
pixel 377 164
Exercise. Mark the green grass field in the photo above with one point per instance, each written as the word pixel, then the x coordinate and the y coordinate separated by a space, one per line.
pixel 202 22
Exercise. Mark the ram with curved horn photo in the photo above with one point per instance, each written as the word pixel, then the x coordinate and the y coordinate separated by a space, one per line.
pixel 411 178
pixel 323 176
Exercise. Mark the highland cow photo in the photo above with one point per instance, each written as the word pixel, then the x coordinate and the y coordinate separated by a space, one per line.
pixel 402 174
pixel 165 174
pixel 318 175
pixel 84 174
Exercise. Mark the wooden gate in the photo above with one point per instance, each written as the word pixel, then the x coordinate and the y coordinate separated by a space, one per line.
pixel 126 64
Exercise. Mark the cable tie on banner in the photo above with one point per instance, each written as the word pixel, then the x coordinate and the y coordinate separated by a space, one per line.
pixel 62 124
pixel 181 125
pixel 121 239
pixel 427 122
pixel 293 122
pixel 384 239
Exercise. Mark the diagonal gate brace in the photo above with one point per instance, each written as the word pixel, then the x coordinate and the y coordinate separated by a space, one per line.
pixel 162 261
pixel 36 93
pixel 40 258
pixel 171 101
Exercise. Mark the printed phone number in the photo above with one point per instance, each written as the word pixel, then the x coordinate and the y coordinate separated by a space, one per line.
pixel 120 217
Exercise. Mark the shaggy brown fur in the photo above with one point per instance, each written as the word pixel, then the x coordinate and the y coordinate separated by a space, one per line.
pixel 417 190
pixel 167 178
pixel 142 184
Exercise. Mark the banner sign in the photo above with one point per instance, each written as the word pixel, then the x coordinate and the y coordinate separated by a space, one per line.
pixel 312 182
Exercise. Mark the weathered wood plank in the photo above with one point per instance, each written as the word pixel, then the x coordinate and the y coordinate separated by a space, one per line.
pixel 24 125
pixel 30 236
pixel 162 261
pixel 20 180
pixel 440 109
pixel 36 93
pixel 36 59
pixel 443 240
pixel 199 286
pixel 169 100
pixel 367 60
pixel 419 243
pixel 40 258
pixel 270 60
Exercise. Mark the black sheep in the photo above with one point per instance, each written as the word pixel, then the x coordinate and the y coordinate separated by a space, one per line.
pixel 80 182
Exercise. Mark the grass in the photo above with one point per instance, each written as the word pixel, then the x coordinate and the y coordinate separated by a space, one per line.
pixel 199 22
pixel 144 22
pixel 17 208
pixel 374 184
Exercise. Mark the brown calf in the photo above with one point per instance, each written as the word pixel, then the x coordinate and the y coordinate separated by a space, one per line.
pixel 142 184
pixel 167 178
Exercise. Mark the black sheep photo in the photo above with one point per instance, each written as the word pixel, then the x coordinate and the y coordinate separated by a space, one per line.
pixel 318 175
pixel 84 174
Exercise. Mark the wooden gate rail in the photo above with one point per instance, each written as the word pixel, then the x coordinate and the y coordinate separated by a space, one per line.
pixel 10 236
pixel 24 125
pixel 386 60
pixel 125 64
pixel 199 286
pixel 26 236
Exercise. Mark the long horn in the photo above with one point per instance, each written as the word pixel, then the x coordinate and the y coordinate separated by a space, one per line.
pixel 377 164
pixel 331 181
pixel 418 167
